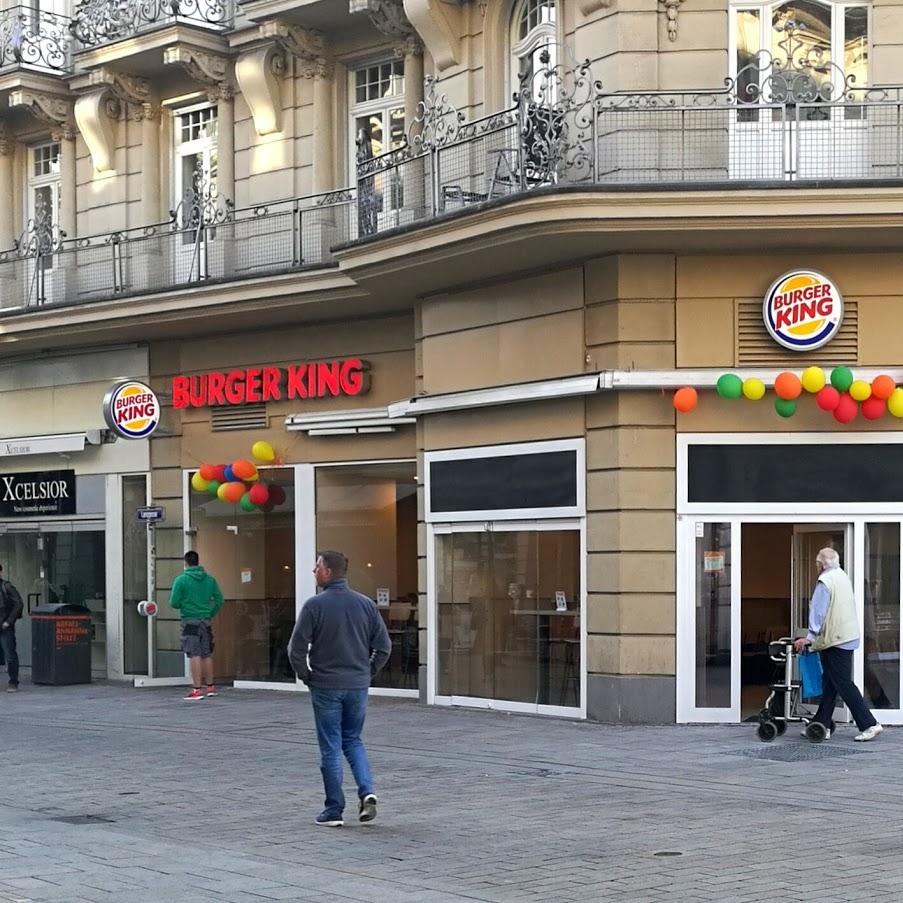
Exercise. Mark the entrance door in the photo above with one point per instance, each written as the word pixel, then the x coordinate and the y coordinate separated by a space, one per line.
pixel 808 540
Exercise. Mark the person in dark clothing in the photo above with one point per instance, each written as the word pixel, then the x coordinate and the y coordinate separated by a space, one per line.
pixel 339 643
pixel 10 612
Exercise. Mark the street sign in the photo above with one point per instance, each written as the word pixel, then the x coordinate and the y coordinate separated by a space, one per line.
pixel 152 514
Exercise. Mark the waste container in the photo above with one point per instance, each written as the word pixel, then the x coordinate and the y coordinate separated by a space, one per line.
pixel 60 644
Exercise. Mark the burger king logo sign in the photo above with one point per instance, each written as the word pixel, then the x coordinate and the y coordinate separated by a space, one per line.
pixel 131 409
pixel 803 310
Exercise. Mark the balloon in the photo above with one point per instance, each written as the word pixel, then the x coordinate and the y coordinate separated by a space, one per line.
pixel 221 492
pixel 228 475
pixel 860 389
pixel 213 488
pixel 246 504
pixel 268 507
pixel 846 409
pixel 873 408
pixel 895 403
pixel 219 473
pixel 753 388
pixel 263 451
pixel 243 469
pixel 199 483
pixel 841 378
pixel 259 494
pixel 232 492
pixel 813 379
pixel 277 495
pixel 254 478
pixel 685 399
pixel 786 407
pixel 883 386
pixel 729 386
pixel 787 386
pixel 207 472
pixel 828 398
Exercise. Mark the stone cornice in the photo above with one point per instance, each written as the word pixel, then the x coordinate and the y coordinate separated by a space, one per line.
pixel 48 108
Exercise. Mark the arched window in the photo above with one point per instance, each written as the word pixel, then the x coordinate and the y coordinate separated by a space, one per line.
pixel 534 28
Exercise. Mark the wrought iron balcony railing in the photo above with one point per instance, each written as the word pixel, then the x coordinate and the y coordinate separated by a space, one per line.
pixel 97 22
pixel 205 240
pixel 34 39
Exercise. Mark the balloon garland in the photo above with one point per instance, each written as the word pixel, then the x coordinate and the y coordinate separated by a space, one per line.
pixel 839 393
pixel 239 483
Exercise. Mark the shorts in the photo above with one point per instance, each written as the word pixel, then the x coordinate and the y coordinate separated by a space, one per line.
pixel 197 638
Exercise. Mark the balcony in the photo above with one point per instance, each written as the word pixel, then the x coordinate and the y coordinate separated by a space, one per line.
pixel 35 41
pixel 99 22
pixel 205 240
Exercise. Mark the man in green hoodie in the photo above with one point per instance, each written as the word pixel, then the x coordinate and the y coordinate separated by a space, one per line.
pixel 197 595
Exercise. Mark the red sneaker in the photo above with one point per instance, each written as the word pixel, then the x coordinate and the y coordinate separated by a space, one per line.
pixel 211 691
pixel 194 695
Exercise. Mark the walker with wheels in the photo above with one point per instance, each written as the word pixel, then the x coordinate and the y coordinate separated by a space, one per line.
pixel 785 699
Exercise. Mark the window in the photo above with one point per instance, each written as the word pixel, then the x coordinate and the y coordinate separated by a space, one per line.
pixel 377 109
pixel 534 32
pixel 43 198
pixel 195 169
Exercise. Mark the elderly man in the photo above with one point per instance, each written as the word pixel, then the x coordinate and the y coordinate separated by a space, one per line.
pixel 834 634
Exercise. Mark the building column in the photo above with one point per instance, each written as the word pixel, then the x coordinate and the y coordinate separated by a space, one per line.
pixel 323 156
pixel 68 209
pixel 150 165
pixel 413 80
pixel 225 151
pixel 7 190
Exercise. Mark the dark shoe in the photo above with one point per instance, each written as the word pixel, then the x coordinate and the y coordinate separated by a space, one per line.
pixel 325 820
pixel 12 688
pixel 368 807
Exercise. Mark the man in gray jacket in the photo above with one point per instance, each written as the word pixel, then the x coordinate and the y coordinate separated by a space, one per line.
pixel 338 644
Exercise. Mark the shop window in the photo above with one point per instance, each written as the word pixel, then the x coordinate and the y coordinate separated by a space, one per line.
pixel 369 512
pixel 252 556
pixel 882 615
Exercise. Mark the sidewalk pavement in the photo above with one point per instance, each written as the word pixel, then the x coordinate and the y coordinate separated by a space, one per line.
pixel 117 795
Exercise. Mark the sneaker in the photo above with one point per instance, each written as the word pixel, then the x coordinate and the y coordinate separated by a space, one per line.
pixel 211 691
pixel 325 820
pixel 12 688
pixel 194 695
pixel 806 736
pixel 368 807
pixel 869 733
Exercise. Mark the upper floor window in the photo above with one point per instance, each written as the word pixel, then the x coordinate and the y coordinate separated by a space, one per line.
pixel 534 32
pixel 42 202
pixel 195 169
pixel 377 108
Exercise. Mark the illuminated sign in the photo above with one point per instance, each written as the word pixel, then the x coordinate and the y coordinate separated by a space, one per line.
pixel 803 310
pixel 131 409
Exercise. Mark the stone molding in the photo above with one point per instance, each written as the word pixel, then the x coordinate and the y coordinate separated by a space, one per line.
pixel 207 69
pixel 48 108
pixel 672 7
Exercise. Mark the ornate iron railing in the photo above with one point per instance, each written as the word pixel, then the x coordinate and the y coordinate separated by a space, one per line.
pixel 34 39
pixel 96 22
pixel 205 240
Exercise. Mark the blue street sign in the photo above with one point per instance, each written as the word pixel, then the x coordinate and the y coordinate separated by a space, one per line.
pixel 152 514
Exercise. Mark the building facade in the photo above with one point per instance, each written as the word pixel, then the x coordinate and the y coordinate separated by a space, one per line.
pixel 450 262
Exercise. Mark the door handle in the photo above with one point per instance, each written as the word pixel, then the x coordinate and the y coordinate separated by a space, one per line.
pixel 33 596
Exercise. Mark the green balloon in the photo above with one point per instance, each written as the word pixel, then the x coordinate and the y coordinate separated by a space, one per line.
pixel 212 487
pixel 729 386
pixel 246 504
pixel 841 378
pixel 785 407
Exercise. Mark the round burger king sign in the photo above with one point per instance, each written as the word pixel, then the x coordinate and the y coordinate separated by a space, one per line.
pixel 131 409
pixel 803 310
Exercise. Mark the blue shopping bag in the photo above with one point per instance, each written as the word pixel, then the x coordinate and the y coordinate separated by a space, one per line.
pixel 810 675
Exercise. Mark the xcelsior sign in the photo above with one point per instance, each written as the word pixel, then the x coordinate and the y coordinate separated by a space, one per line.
pixel 803 310
pixel 131 409
pixel 40 492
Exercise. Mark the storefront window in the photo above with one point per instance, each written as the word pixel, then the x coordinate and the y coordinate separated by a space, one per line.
pixel 509 615
pixel 882 615
pixel 713 616
pixel 252 556
pixel 369 512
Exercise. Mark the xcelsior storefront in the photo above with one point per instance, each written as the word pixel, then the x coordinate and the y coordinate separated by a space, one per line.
pixel 64 484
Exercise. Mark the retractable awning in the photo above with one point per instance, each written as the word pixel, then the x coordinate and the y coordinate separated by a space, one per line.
pixel 45 445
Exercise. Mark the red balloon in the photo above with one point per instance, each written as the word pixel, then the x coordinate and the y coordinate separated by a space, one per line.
pixel 207 472
pixel 685 399
pixel 827 398
pixel 277 495
pixel 873 408
pixel 846 409
pixel 219 473
pixel 259 494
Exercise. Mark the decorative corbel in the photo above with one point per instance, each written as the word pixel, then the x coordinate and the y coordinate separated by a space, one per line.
pixel 389 18
pixel 258 73
pixel 208 69
pixel 439 25
pixel 672 7
pixel 307 45
pixel 48 108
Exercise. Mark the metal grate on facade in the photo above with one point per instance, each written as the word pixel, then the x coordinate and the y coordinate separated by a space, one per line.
pixel 240 417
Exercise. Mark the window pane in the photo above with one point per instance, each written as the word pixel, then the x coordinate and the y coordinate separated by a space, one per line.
pixel 810 41
pixel 882 615
pixel 748 46
pixel 370 514
pixel 856 44
pixel 713 617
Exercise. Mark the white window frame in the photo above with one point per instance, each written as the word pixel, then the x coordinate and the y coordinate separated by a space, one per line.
pixel 34 182
pixel 205 148
pixel 521 48
pixel 382 106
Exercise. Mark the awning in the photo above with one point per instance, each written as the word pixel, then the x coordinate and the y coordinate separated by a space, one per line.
pixel 45 445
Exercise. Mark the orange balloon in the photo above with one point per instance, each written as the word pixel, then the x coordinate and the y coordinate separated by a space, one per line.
pixel 685 399
pixel 232 492
pixel 787 386
pixel 207 472
pixel 883 387
pixel 243 470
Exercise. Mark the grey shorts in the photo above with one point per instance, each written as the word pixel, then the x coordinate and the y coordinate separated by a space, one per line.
pixel 197 639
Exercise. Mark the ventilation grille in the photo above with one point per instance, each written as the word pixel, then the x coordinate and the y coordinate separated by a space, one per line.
pixel 241 417
pixel 756 348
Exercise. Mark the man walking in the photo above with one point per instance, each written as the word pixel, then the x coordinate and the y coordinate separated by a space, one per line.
pixel 197 595
pixel 834 634
pixel 338 644
pixel 10 612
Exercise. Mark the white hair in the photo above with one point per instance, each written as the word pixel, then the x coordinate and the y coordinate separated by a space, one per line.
pixel 828 558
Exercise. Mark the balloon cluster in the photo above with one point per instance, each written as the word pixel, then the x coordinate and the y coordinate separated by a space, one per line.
pixel 239 483
pixel 840 394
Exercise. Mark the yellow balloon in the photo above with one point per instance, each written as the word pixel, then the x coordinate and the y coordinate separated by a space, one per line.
pixel 263 451
pixel 199 483
pixel 753 388
pixel 895 403
pixel 860 389
pixel 220 493
pixel 813 379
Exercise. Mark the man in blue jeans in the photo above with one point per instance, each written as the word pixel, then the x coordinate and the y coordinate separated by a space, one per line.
pixel 338 644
